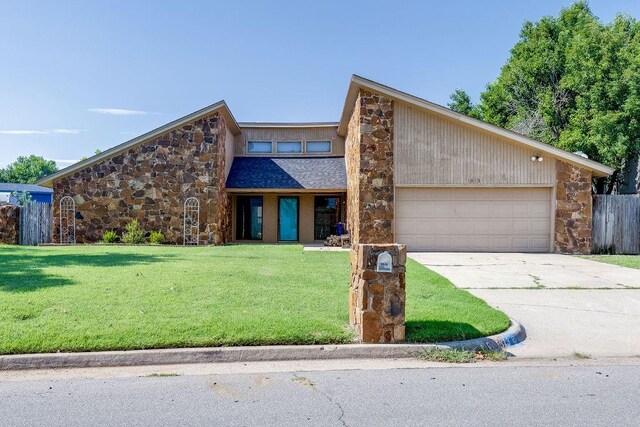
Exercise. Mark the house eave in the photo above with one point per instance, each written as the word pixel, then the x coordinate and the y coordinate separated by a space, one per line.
pixel 294 125
pixel 232 190
pixel 220 106
pixel 357 82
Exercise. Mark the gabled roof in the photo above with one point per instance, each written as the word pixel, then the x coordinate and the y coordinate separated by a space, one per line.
pixel 21 188
pixel 220 106
pixel 357 82
pixel 317 173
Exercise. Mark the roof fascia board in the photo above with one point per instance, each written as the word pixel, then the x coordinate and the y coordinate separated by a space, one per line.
pixel 221 105
pixel 285 190
pixel 288 125
pixel 358 82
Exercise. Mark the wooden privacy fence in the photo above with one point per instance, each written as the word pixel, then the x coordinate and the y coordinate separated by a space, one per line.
pixel 616 227
pixel 35 223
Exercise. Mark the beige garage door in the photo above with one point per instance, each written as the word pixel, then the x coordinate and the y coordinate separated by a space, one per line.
pixel 474 219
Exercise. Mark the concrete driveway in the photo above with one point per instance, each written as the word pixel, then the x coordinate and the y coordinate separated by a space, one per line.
pixel 567 304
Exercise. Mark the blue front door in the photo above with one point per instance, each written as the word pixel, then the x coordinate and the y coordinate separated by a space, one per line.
pixel 288 219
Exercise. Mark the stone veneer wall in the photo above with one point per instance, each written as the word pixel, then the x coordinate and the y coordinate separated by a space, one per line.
pixel 220 210
pixel 9 224
pixel 376 299
pixel 573 209
pixel 352 160
pixel 369 157
pixel 150 182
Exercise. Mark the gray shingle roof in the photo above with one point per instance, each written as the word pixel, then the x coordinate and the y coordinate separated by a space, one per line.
pixel 288 172
pixel 31 188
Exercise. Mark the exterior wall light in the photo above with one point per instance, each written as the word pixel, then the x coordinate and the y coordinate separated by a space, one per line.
pixel 536 157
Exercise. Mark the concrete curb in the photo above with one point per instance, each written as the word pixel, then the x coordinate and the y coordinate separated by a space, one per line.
pixel 514 335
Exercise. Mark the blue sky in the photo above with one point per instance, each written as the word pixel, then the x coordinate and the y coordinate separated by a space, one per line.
pixel 76 76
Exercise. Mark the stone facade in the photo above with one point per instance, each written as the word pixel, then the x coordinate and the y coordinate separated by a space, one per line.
pixel 369 158
pixel 9 224
pixel 150 182
pixel 352 161
pixel 377 300
pixel 573 209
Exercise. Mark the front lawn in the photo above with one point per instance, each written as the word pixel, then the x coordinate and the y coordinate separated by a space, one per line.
pixel 631 261
pixel 82 298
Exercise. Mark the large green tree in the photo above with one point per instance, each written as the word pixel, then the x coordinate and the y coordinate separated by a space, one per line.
pixel 573 82
pixel 27 170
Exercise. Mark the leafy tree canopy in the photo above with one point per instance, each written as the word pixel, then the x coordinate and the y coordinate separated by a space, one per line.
pixel 461 102
pixel 573 82
pixel 27 170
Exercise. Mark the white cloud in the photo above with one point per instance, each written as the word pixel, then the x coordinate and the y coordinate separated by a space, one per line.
pixel 66 131
pixel 23 132
pixel 117 111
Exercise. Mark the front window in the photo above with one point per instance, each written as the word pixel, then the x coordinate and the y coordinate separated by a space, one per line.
pixel 318 146
pixel 249 218
pixel 259 147
pixel 289 147
pixel 326 216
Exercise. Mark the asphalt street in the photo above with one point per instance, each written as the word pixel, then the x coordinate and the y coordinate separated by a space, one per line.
pixel 416 395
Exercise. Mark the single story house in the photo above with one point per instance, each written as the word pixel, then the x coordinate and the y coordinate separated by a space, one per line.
pixel 394 168
pixel 11 192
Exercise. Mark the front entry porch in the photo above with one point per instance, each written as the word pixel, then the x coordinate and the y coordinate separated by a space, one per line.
pixel 286 217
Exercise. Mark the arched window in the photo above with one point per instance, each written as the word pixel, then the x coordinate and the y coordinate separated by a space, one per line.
pixel 67 220
pixel 191 221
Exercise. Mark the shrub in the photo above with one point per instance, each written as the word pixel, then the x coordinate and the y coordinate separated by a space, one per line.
pixel 109 236
pixel 156 238
pixel 133 233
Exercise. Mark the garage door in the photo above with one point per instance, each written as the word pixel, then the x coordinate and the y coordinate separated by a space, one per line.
pixel 474 219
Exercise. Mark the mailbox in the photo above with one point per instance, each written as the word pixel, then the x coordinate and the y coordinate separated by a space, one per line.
pixel 385 263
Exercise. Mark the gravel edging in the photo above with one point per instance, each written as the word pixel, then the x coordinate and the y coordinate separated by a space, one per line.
pixel 515 334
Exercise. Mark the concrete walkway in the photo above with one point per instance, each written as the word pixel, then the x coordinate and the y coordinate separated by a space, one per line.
pixel 599 315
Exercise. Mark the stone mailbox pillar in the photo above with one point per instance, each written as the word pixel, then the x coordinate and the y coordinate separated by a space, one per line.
pixel 377 292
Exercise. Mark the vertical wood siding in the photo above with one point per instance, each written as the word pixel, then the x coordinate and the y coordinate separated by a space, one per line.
pixel 431 150
pixel 290 134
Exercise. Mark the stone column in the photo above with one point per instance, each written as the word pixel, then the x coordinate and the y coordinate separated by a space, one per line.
pixel 376 298
pixel 573 209
pixel 9 224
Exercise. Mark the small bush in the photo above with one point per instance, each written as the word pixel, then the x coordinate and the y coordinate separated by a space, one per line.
pixel 156 238
pixel 109 236
pixel 133 233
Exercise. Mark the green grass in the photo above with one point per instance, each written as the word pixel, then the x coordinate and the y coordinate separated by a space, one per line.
pixel 448 355
pixel 452 355
pixel 438 311
pixel 86 298
pixel 631 261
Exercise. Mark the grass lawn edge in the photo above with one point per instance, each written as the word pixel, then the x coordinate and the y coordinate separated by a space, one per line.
pixel 436 310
